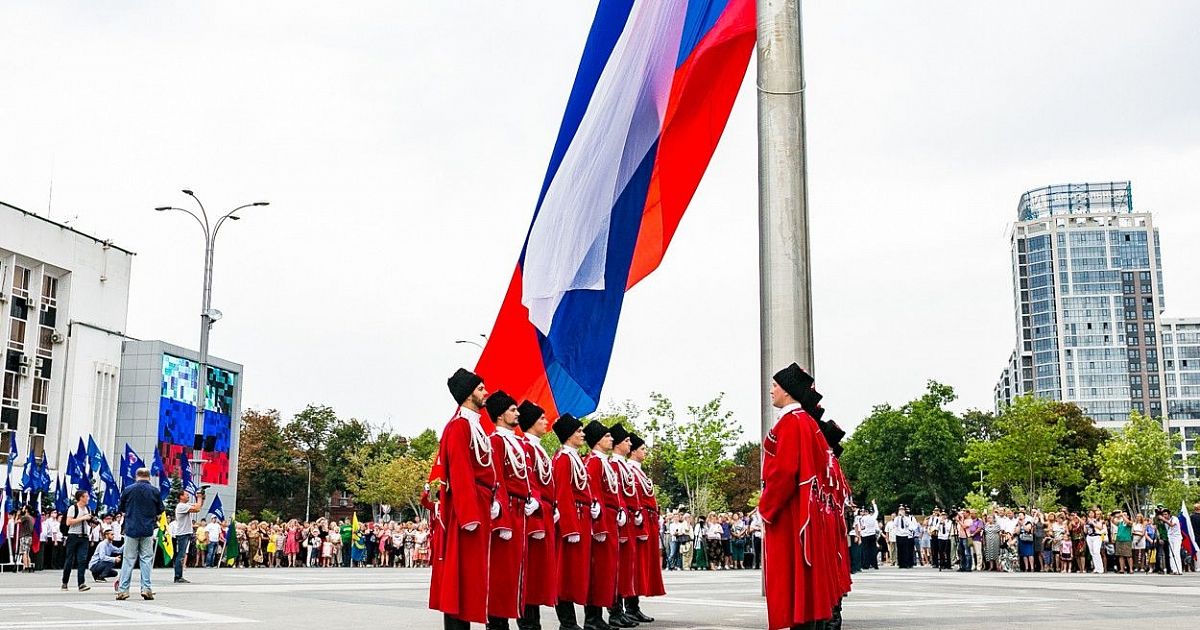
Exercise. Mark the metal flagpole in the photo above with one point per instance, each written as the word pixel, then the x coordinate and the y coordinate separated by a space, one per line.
pixel 785 300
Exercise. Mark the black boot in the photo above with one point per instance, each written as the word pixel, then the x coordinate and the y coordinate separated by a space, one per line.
pixel 836 622
pixel 452 623
pixel 617 618
pixel 497 623
pixel 633 610
pixel 531 619
pixel 566 616
pixel 593 618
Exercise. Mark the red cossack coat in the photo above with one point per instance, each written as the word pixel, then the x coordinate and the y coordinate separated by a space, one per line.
pixel 602 585
pixel 574 493
pixel 803 527
pixel 627 563
pixel 506 565
pixel 459 586
pixel 650 580
pixel 541 576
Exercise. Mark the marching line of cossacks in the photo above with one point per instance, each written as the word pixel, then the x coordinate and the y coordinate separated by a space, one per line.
pixel 516 528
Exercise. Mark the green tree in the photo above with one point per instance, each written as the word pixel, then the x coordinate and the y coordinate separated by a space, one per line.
pixel 309 432
pixel 425 445
pixel 1136 460
pixel 1083 436
pixel 1176 492
pixel 345 439
pixel 696 449
pixel 979 425
pixel 1029 449
pixel 269 475
pixel 912 454
pixel 398 481
pixel 745 476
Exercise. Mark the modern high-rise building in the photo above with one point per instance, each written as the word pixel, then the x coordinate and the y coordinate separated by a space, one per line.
pixel 1088 290
pixel 1181 377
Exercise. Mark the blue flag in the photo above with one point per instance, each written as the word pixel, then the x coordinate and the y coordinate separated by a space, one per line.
pixel 75 470
pixel 44 485
pixel 112 499
pixel 164 481
pixel 12 452
pixel 185 473
pixel 106 473
pixel 130 464
pixel 216 509
pixel 95 455
pixel 60 495
pixel 81 458
pixel 28 472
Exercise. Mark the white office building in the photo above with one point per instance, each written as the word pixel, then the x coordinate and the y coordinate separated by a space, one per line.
pixel 64 301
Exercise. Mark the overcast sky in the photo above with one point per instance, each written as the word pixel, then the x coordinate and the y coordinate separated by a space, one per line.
pixel 402 145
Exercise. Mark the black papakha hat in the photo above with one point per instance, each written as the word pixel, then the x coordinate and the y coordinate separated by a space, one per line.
pixel 529 415
pixel 810 401
pixel 794 381
pixel 461 384
pixel 566 426
pixel 817 412
pixel 635 442
pixel 498 403
pixel 619 433
pixel 593 432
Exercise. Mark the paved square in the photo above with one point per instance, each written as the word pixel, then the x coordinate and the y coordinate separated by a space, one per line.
pixel 341 599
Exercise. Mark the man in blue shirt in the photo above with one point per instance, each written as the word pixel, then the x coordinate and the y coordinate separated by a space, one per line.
pixel 141 504
pixel 106 557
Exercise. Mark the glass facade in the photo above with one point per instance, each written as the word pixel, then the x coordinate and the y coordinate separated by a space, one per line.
pixel 1087 273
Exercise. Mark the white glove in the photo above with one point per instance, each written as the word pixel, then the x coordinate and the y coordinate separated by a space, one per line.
pixel 600 537
pixel 595 510
pixel 573 538
pixel 555 515
pixel 505 534
pixel 531 506
pixel 495 509
pixel 637 519
pixel 470 526
pixel 621 519
pixel 538 535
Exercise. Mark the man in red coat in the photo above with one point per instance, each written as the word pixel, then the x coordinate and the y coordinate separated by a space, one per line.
pixel 541 585
pixel 602 578
pixel 464 511
pixel 506 564
pixel 650 582
pixel 577 510
pixel 626 530
pixel 801 565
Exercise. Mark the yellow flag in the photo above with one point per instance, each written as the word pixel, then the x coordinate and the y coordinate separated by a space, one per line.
pixel 164 538
pixel 354 528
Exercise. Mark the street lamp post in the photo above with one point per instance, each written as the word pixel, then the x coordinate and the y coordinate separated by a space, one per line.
pixel 208 314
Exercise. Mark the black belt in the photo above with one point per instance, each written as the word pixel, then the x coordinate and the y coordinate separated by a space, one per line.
pixel 513 495
pixel 583 504
pixel 479 482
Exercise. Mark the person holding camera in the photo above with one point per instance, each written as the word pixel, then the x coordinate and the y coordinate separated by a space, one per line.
pixel 182 529
pixel 75 525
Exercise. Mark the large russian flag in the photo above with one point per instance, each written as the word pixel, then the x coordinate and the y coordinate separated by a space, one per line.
pixel 651 97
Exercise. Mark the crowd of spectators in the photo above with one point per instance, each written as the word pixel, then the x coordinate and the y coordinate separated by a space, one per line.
pixel 712 542
pixel 1020 540
pixel 320 543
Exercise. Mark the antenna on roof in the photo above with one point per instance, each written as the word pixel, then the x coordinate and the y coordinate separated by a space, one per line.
pixel 50 197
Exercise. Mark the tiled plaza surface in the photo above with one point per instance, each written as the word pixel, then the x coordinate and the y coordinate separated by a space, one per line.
pixel 339 599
